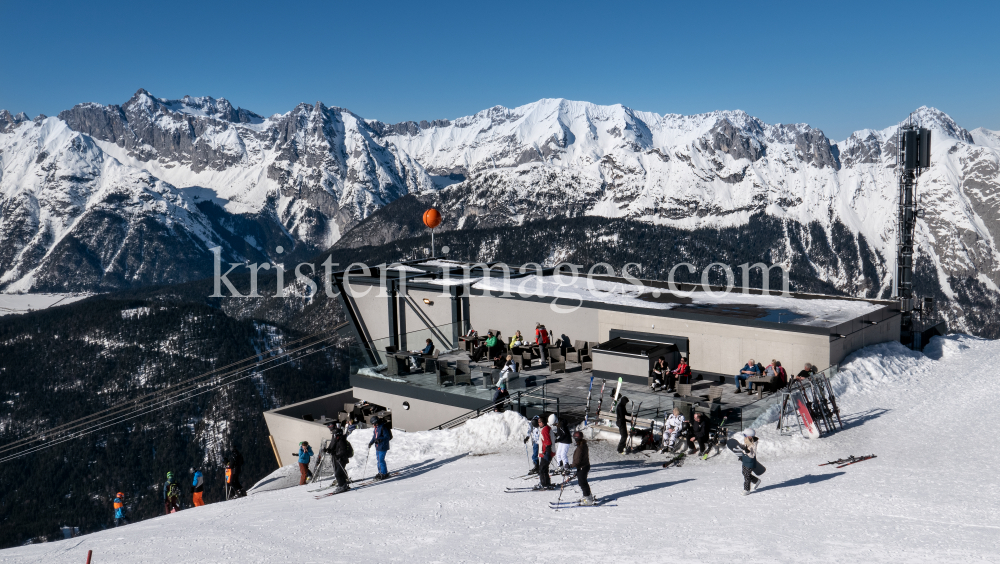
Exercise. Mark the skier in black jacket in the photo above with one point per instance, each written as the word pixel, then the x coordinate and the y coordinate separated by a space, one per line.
pixel 621 414
pixel 698 434
pixel 341 451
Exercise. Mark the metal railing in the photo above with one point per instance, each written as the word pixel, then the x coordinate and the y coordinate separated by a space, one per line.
pixel 506 402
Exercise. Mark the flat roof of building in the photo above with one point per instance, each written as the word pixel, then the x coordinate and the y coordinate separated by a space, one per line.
pixel 565 290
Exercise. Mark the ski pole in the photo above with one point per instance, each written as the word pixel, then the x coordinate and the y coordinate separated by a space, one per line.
pixel 367 456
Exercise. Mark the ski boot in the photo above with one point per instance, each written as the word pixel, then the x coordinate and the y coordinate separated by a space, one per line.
pixel 588 500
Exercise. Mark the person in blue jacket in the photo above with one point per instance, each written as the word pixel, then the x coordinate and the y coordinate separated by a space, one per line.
pixel 751 370
pixel 305 453
pixel 120 510
pixel 380 438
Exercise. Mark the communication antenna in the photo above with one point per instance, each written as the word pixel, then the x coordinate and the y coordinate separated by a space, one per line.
pixel 913 157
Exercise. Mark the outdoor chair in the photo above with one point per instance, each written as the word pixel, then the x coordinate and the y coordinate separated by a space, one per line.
pixel 463 374
pixel 587 365
pixel 443 373
pixel 714 394
pixel 556 365
pixel 684 390
pixel 577 351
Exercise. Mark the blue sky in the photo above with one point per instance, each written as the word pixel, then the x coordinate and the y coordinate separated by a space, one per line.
pixel 837 66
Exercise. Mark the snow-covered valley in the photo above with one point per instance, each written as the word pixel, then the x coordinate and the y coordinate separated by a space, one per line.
pixel 930 496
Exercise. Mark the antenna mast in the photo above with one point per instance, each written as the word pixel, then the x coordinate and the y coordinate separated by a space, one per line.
pixel 913 156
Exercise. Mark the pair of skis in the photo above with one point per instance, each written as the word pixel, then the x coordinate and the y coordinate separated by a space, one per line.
pixel 850 460
pixel 359 485
pixel 675 461
pixel 631 433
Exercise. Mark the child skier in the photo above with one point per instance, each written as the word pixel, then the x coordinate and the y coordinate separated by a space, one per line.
pixel 563 441
pixel 581 461
pixel 174 498
pixel 749 460
pixel 534 435
pixel 120 509
pixel 197 489
pixel 167 505
pixel 304 454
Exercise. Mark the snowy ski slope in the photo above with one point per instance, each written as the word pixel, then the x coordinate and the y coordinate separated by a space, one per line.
pixel 930 496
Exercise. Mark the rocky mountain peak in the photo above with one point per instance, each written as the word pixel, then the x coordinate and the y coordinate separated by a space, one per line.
pixel 935 119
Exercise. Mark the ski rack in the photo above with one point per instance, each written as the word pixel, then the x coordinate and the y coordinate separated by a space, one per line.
pixel 320 460
pixel 817 394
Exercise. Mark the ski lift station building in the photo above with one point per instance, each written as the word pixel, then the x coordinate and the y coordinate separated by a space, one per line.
pixel 623 325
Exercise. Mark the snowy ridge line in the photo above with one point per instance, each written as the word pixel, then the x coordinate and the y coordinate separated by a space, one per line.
pixel 137 408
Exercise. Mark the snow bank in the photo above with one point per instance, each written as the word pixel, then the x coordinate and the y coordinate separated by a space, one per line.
pixel 489 433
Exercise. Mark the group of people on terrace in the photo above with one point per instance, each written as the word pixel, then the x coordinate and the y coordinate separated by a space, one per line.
pixel 772 373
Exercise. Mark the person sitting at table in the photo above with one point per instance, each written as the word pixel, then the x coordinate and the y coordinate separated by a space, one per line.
pixel 780 371
pixel 517 340
pixel 660 371
pixel 484 348
pixel 805 373
pixel 750 370
pixel 426 352
pixel 680 375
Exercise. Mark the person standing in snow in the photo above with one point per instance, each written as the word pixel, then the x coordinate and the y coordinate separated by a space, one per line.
pixel 120 509
pixel 236 464
pixel 674 425
pixel 167 504
pixel 749 460
pixel 534 435
pixel 621 420
pixel 545 454
pixel 581 461
pixel 564 440
pixel 380 438
pixel 305 454
pixel 341 451
pixel 197 489
pixel 173 498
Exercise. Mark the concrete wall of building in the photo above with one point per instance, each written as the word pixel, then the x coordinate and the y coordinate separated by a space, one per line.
pixel 287 432
pixel 287 427
pixel 723 348
pixel 509 315
pixel 421 415
pixel 885 331
pixel 621 364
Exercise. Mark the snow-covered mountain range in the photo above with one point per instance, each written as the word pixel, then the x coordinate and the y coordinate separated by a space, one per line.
pixel 112 196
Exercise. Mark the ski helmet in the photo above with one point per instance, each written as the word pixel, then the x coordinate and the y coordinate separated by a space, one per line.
pixel 119 494
pixel 749 433
pixel 553 420
pixel 578 436
pixel 373 420
pixel 170 475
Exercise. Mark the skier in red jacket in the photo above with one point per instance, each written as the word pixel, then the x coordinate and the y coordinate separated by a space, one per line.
pixel 545 454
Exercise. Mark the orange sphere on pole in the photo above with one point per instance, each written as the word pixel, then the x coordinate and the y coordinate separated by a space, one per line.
pixel 432 218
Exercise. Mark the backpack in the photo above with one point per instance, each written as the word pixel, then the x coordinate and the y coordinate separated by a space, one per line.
pixel 174 491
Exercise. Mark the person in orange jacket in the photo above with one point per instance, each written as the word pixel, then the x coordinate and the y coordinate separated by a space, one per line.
pixel 120 510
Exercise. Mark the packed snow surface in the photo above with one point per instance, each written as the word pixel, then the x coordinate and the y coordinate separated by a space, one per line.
pixel 930 496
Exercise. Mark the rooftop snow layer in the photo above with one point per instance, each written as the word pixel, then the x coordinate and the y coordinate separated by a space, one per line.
pixel 571 291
